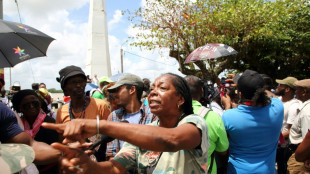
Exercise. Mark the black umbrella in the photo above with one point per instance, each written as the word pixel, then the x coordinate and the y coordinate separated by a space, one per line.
pixel 19 42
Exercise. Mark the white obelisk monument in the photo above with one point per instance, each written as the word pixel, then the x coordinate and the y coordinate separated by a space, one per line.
pixel 98 56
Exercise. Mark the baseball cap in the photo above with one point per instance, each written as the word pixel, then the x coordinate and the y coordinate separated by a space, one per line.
pixel 289 81
pixel 303 83
pixel 249 82
pixel 105 79
pixel 128 79
pixel 68 72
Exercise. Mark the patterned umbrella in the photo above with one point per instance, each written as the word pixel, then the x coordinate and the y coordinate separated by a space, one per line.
pixel 19 42
pixel 210 51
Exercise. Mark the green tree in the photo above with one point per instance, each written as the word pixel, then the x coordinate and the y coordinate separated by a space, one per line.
pixel 270 37
pixel 53 90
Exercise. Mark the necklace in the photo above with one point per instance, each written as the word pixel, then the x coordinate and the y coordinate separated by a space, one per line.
pixel 70 109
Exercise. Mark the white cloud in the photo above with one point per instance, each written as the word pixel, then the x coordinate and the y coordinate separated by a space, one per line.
pixel 70 46
pixel 117 17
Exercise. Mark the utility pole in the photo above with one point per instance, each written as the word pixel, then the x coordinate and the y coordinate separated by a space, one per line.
pixel 1 9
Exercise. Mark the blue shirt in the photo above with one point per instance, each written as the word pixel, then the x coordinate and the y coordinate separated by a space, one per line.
pixel 8 124
pixel 253 134
pixel 145 117
pixel 133 118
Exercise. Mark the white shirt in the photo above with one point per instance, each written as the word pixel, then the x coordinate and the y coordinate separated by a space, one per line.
pixel 290 113
pixel 301 124
pixel 217 108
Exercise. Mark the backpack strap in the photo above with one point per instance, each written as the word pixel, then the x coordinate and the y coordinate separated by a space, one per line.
pixel 203 111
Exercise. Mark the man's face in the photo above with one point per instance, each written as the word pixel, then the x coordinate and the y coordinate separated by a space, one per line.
pixel 280 90
pixel 300 93
pixel 121 96
pixel 75 86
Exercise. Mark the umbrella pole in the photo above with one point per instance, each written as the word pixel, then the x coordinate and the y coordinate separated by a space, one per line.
pixel 10 78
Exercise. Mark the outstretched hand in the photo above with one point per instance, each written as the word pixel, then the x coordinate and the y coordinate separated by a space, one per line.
pixel 73 160
pixel 75 130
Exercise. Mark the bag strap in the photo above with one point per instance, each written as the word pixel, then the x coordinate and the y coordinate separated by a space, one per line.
pixel 203 111
pixel 211 164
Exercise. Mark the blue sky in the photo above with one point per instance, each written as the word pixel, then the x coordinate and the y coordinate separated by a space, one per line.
pixel 67 22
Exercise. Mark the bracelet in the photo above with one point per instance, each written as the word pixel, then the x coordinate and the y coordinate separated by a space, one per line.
pixel 97 124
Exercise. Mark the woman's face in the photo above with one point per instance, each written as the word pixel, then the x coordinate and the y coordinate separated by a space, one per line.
pixel 163 99
pixel 30 106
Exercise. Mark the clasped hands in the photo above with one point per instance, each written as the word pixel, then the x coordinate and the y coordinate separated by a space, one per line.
pixel 74 159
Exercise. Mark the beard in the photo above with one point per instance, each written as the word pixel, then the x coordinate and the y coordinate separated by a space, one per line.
pixel 280 93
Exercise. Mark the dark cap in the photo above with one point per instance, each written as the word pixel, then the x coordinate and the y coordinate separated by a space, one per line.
pixel 236 78
pixel 249 82
pixel 68 72
pixel 289 81
pixel 303 83
pixel 128 79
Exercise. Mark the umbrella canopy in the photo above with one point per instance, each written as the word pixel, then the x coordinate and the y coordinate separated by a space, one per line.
pixel 210 51
pixel 19 42
pixel 115 77
pixel 14 157
pixel 90 86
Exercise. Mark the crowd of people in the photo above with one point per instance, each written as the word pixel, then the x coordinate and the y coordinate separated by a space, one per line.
pixel 172 125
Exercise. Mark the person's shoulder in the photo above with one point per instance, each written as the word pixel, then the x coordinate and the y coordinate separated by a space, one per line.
pixel 99 102
pixel 5 111
pixel 276 102
pixel 295 103
pixel 213 116
pixel 64 107
pixel 231 112
pixel 305 106
pixel 116 113
pixel 193 118
pixel 4 107
pixel 95 92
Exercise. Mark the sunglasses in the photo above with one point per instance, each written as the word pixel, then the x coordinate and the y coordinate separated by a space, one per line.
pixel 27 106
